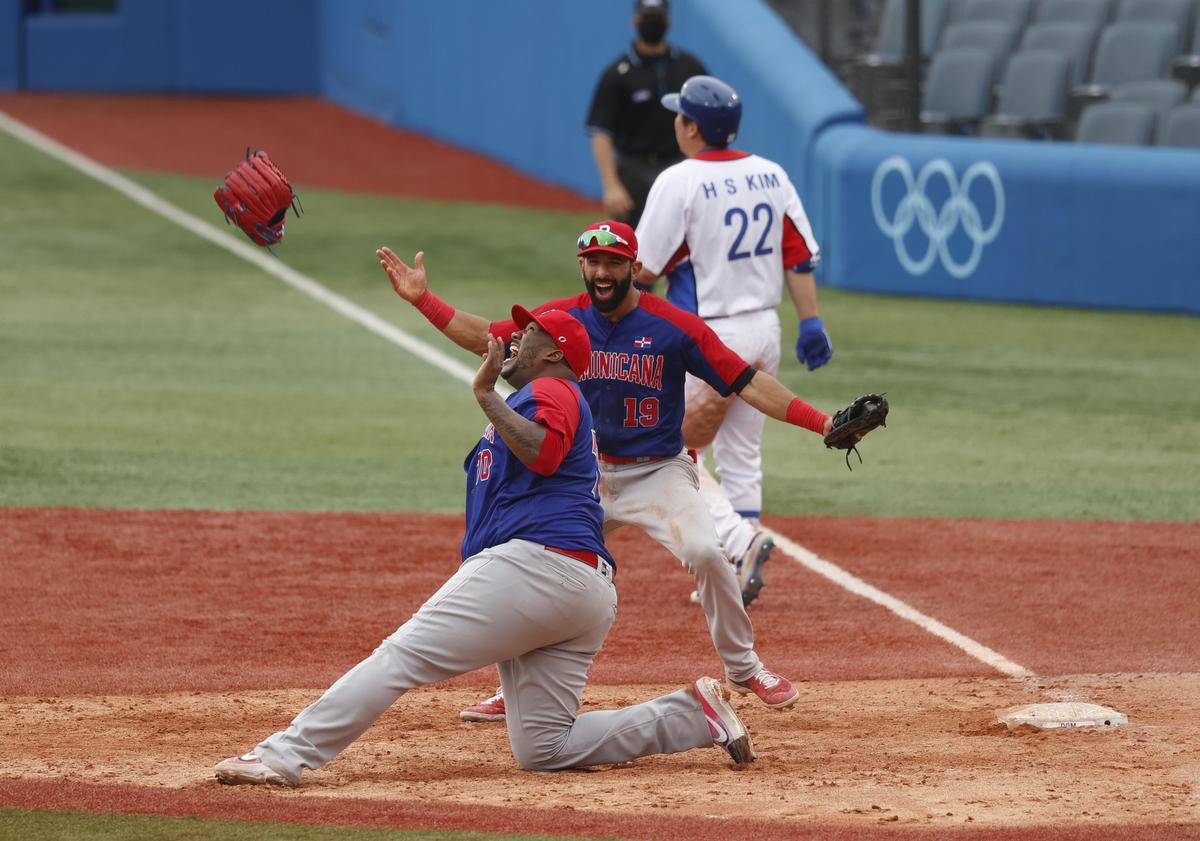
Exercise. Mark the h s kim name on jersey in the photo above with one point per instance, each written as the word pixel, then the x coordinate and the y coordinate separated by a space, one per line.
pixel 753 182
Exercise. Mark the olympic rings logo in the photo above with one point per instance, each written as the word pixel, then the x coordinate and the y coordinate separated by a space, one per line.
pixel 938 226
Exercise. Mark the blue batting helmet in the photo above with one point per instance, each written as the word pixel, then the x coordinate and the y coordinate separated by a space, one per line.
pixel 712 104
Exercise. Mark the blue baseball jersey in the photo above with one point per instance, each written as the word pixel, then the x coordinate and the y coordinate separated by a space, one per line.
pixel 635 382
pixel 556 500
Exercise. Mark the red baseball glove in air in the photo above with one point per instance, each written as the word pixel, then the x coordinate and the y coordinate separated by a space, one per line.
pixel 255 197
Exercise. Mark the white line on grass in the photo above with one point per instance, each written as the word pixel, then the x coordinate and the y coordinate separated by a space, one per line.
pixel 239 248
pixel 869 592
pixel 456 369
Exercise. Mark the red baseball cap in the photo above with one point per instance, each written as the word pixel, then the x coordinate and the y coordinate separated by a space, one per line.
pixel 612 237
pixel 564 330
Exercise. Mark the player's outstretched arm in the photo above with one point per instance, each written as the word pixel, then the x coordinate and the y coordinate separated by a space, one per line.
pixel 772 398
pixel 466 330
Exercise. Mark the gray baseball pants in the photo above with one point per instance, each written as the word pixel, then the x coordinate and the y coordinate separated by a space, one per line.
pixel 542 617
pixel 663 499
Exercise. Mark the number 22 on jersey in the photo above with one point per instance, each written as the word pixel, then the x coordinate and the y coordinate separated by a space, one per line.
pixel 756 223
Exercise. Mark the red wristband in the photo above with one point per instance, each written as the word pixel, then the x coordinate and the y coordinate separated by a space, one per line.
pixel 435 309
pixel 804 415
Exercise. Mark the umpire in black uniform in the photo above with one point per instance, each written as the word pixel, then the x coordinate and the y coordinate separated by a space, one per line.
pixel 633 136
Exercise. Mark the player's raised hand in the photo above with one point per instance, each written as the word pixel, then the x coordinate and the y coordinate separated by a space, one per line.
pixel 485 378
pixel 409 282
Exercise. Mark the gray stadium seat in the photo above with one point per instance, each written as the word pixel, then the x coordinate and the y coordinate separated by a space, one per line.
pixel 1122 123
pixel 1196 95
pixel 958 90
pixel 890 47
pixel 1074 40
pixel 1130 51
pixel 1160 95
pixel 1033 96
pixel 999 37
pixel 1015 12
pixel 1182 130
pixel 1096 13
pixel 879 77
pixel 1177 12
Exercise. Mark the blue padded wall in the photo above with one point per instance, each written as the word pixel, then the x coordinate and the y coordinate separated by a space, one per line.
pixel 12 59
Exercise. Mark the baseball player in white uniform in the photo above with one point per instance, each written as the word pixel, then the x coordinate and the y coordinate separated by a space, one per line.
pixel 728 229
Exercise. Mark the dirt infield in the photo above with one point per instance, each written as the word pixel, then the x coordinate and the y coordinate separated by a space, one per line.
pixel 138 651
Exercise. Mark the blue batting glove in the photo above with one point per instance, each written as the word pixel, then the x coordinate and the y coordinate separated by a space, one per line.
pixel 813 347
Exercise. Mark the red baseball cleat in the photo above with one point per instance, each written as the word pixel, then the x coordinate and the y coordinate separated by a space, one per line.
pixel 774 690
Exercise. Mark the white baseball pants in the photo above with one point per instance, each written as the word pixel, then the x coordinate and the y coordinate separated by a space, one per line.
pixel 661 498
pixel 542 617
pixel 737 447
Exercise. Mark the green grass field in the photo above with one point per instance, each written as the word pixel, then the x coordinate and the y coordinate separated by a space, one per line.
pixel 142 367
pixel 44 825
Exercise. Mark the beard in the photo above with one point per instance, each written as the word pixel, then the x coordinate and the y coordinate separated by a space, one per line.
pixel 620 291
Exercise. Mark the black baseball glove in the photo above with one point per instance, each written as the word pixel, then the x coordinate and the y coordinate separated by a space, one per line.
pixel 855 421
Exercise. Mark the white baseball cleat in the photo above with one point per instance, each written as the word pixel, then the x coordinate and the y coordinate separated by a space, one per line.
pixel 726 728
pixel 248 769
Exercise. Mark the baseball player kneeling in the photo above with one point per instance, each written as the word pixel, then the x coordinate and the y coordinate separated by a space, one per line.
pixel 534 531
pixel 642 349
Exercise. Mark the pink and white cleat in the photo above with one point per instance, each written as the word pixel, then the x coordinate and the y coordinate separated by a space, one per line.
pixel 490 710
pixel 726 728
pixel 774 690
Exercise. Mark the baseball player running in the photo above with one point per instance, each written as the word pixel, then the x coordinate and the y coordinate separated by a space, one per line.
pixel 642 347
pixel 533 539
pixel 727 228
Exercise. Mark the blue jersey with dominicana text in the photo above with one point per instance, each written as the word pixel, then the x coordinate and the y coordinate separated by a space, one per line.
pixel 556 500
pixel 634 384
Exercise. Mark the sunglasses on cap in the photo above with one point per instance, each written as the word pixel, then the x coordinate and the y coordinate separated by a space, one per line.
pixel 601 238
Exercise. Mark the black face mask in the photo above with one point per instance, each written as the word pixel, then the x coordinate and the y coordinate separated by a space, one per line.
pixel 652 28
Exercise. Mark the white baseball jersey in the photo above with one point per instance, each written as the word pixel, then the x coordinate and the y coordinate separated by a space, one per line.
pixel 723 226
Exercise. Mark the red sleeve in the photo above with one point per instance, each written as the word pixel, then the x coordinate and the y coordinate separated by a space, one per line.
pixel 558 411
pixel 795 250
pixel 504 330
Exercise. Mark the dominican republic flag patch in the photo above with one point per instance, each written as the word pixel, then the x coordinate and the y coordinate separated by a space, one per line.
pixel 643 341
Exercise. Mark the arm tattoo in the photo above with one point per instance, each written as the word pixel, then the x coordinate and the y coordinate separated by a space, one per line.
pixel 523 436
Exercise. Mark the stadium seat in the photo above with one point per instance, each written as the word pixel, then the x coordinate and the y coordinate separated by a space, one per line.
pixel 1176 12
pixel 1160 95
pixel 1015 12
pixel 1182 129
pixel 879 76
pixel 1123 123
pixel 1033 97
pixel 999 37
pixel 958 90
pixel 1129 51
pixel 1076 41
pixel 1094 13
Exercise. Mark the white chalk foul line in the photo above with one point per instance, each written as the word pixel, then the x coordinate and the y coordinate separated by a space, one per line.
pixel 856 585
pixel 451 366
pixel 251 254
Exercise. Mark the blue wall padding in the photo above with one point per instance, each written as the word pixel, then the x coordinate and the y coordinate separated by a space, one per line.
pixel 12 57
pixel 247 46
pixel 1082 225
pixel 231 46
pixel 514 81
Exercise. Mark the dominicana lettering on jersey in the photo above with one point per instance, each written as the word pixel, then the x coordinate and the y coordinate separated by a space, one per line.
pixel 641 368
pixel 753 182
